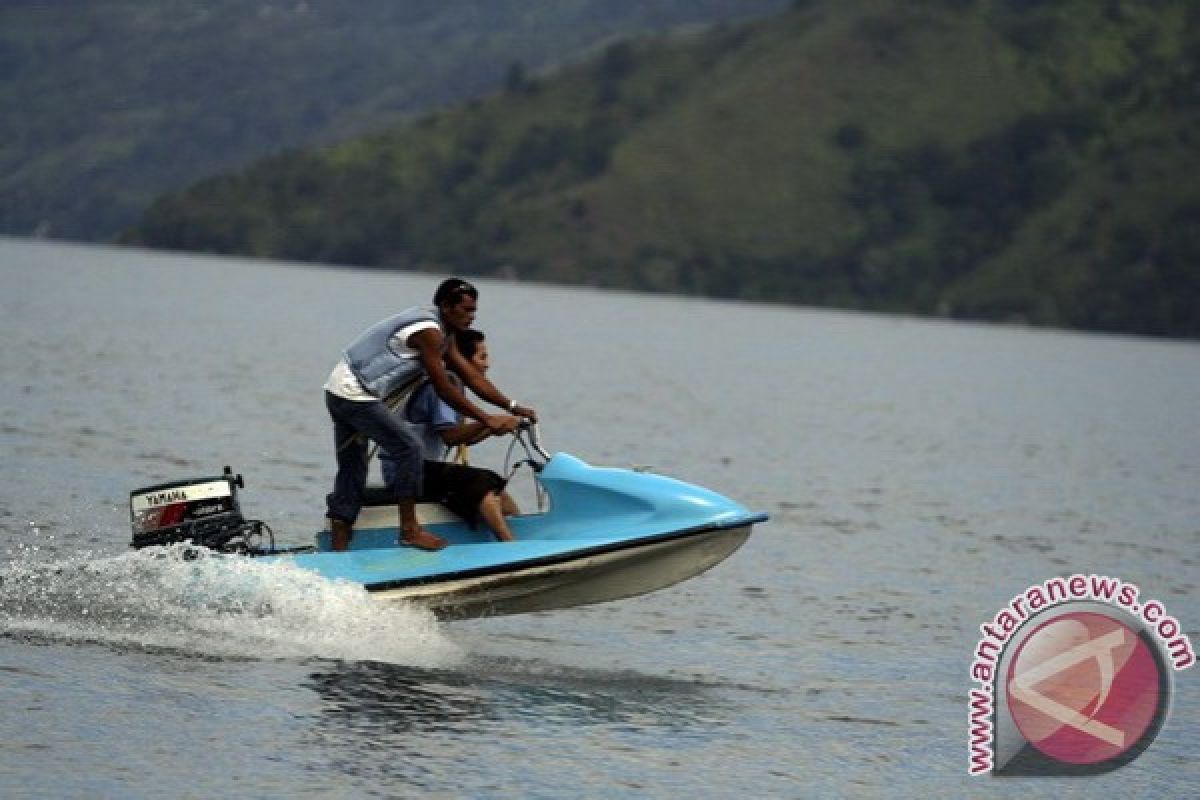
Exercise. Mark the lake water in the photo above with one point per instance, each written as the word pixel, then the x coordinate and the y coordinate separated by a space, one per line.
pixel 919 474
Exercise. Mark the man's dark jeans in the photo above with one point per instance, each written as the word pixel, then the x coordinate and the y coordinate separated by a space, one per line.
pixel 353 424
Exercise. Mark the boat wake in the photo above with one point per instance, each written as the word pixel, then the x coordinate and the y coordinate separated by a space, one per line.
pixel 183 598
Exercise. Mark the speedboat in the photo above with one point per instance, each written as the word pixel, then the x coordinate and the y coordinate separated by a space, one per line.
pixel 599 534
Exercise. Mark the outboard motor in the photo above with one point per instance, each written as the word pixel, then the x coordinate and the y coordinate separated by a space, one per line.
pixel 204 512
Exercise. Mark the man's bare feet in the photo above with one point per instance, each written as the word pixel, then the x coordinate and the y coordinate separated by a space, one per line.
pixel 340 534
pixel 422 539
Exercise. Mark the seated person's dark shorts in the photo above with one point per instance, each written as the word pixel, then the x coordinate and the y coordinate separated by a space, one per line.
pixel 459 488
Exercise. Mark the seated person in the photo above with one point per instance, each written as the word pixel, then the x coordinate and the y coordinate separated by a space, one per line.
pixel 470 492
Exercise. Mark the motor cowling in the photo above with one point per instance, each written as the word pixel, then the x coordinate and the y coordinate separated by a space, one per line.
pixel 203 511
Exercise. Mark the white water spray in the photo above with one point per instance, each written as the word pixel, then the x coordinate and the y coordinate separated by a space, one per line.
pixel 183 598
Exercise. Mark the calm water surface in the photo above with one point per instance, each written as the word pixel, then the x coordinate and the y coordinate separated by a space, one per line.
pixel 919 474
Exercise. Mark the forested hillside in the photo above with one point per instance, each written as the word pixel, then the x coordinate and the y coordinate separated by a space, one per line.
pixel 106 104
pixel 1009 160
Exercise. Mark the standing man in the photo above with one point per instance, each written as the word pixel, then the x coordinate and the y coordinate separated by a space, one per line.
pixel 384 363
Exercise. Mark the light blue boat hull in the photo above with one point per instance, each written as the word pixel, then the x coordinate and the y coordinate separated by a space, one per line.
pixel 608 534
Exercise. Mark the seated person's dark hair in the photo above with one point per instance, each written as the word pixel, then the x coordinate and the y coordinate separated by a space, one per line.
pixel 467 341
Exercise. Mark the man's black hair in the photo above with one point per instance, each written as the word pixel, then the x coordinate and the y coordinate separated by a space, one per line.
pixel 451 291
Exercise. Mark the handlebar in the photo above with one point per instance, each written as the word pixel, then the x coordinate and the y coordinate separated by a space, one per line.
pixel 528 430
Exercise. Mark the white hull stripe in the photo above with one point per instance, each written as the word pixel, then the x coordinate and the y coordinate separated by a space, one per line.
pixel 552 560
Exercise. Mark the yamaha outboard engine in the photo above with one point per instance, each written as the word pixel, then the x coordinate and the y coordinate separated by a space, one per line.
pixel 204 512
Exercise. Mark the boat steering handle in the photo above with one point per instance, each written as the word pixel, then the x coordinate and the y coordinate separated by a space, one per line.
pixel 530 428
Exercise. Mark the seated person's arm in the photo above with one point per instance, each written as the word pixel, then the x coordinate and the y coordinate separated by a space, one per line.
pixel 466 432
pixel 426 408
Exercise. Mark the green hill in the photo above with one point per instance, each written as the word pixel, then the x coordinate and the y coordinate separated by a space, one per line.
pixel 998 160
pixel 106 104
